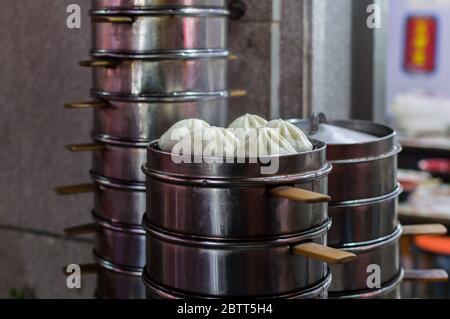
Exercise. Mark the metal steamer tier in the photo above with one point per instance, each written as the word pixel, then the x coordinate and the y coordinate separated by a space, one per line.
pixel 119 203
pixel 115 282
pixel 235 230
pixel 155 291
pixel 233 269
pixel 154 4
pixel 139 32
pixel 161 75
pixel 124 247
pixel 390 290
pixel 141 120
pixel 235 201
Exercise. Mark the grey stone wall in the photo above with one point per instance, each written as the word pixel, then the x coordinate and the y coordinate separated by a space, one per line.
pixel 39 73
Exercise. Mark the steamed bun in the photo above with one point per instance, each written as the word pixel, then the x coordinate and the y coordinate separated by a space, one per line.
pixel 248 121
pixel 208 142
pixel 175 134
pixel 265 141
pixel 292 134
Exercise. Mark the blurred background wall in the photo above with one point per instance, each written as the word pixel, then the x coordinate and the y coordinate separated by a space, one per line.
pixel 294 57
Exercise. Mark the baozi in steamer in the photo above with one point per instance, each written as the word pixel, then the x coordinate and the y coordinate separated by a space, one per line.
pixel 292 134
pixel 219 142
pixel 266 142
pixel 210 142
pixel 176 133
pixel 248 121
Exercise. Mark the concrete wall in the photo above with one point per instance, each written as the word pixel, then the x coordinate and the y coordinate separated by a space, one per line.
pixel 39 73
pixel 332 58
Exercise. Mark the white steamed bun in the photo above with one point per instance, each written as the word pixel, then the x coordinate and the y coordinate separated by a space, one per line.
pixel 175 134
pixel 265 141
pixel 292 134
pixel 248 121
pixel 209 142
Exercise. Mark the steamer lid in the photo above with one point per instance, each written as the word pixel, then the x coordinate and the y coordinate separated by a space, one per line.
pixel 319 128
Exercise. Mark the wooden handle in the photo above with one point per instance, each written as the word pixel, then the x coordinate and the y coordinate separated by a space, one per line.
pixel 233 57
pixel 299 195
pixel 80 230
pixel 86 105
pixel 86 269
pixel 238 93
pixel 112 19
pixel 427 275
pixel 75 189
pixel 98 64
pixel 323 253
pixel 425 230
pixel 89 147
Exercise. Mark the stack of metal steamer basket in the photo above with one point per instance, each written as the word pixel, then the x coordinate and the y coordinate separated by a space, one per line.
pixel 364 191
pixel 227 230
pixel 155 62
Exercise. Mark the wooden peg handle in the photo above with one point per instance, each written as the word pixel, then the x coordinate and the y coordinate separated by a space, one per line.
pixel 112 19
pixel 86 105
pixel 80 230
pixel 425 230
pixel 238 93
pixel 88 147
pixel 427 275
pixel 299 195
pixel 233 57
pixel 323 253
pixel 98 64
pixel 75 189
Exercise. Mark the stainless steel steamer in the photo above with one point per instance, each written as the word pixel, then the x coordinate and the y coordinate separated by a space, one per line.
pixel 114 243
pixel 155 291
pixel 116 160
pixel 161 75
pixel 361 170
pixel 137 33
pixel 363 183
pixel 122 246
pixel 119 203
pixel 233 269
pixel 156 62
pixel 363 221
pixel 236 201
pixel 144 121
pixel 114 282
pixel 391 290
pixel 143 4
pixel 385 253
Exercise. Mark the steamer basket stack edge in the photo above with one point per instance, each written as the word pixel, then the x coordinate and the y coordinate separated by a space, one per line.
pixel 153 63
pixel 364 190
